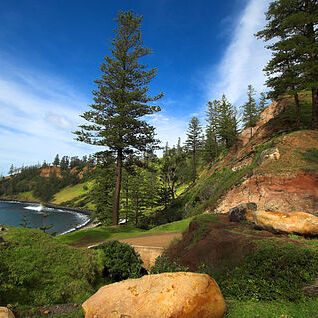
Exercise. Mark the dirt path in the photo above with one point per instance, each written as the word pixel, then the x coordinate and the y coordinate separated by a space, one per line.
pixel 153 240
pixel 150 240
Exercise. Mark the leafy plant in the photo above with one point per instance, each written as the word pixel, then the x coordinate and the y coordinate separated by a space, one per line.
pixel 120 261
pixel 163 265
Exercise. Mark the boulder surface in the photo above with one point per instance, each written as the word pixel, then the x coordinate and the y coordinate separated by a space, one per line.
pixel 293 222
pixel 6 313
pixel 186 295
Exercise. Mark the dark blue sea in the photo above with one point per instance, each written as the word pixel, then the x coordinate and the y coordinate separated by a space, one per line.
pixel 12 213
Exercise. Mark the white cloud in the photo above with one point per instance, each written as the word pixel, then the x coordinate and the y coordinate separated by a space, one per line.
pixel 168 128
pixel 37 116
pixel 244 58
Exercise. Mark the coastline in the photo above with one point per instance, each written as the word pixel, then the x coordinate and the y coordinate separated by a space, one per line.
pixel 86 225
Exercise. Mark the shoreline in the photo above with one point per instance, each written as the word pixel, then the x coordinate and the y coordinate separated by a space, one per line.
pixel 86 225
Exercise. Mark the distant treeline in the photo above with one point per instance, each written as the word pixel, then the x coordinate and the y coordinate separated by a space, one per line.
pixel 28 178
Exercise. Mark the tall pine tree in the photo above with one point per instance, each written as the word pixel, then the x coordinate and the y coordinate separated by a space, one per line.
pixel 293 26
pixel 121 100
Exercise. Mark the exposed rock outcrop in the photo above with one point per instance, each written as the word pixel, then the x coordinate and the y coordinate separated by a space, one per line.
pixel 186 295
pixel 242 212
pixel 288 193
pixel 45 172
pixel 294 222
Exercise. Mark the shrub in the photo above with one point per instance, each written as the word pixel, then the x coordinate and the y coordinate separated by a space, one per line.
pixel 271 272
pixel 120 261
pixel 163 265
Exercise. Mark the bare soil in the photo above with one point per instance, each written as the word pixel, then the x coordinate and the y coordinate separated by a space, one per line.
pixel 223 244
pixel 154 240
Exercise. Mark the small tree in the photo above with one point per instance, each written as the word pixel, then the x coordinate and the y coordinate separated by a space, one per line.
pixel 12 170
pixel 250 111
pixel 226 122
pixel 194 143
pixel 211 131
pixel 116 119
pixel 56 161
pixel 262 102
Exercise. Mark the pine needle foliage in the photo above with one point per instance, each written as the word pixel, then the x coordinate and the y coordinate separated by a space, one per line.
pixel 116 118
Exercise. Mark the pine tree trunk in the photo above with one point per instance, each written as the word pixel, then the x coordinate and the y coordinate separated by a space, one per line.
pixel 315 108
pixel 298 122
pixel 117 187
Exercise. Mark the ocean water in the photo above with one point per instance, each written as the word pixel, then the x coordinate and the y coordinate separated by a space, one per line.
pixel 12 213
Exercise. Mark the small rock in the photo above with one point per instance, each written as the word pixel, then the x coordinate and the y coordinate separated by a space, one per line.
pixel 242 212
pixel 311 290
pixel 6 313
pixel 46 312
pixel 270 154
pixel 186 295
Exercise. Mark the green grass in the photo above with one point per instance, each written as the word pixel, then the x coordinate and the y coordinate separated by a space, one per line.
pixel 274 309
pixel 71 192
pixel 36 270
pixel 177 226
pixel 101 234
pixel 24 196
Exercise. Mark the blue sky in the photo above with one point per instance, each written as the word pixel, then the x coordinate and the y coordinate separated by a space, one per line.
pixel 50 52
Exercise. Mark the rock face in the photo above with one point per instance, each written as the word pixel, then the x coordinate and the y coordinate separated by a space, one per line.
pixel 294 222
pixel 186 295
pixel 6 313
pixel 288 193
pixel 242 212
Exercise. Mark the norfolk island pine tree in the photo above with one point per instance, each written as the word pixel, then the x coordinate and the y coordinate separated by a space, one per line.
pixel 121 100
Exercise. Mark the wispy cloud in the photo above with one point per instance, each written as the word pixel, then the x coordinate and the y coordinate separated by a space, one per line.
pixel 38 113
pixel 244 58
pixel 168 128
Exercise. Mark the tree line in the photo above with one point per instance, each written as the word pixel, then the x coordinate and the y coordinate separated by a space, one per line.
pixel 116 119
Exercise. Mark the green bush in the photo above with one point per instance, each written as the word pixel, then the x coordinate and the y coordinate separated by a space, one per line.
pixel 164 265
pixel 120 261
pixel 272 272
pixel 36 270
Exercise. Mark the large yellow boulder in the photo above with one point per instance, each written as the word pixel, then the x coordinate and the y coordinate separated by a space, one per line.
pixel 6 313
pixel 293 222
pixel 186 295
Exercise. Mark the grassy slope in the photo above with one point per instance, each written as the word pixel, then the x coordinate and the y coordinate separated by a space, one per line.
pixel 70 192
pixel 274 309
pixel 107 233
pixel 23 196
pixel 41 271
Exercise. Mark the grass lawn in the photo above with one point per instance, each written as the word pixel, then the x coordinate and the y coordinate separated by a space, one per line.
pixel 87 236
pixel 273 309
pixel 70 192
